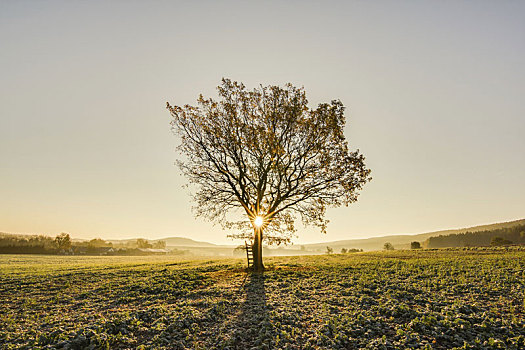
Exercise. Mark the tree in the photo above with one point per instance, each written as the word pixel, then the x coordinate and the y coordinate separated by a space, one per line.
pixel 98 243
pixel 344 250
pixel 159 245
pixel 388 246
pixel 63 241
pixel 415 245
pixel 259 159
pixel 329 250
pixel 143 243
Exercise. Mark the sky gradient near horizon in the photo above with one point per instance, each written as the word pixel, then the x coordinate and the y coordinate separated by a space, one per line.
pixel 433 90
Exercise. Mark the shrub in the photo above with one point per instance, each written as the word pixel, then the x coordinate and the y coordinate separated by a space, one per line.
pixel 388 246
pixel 415 245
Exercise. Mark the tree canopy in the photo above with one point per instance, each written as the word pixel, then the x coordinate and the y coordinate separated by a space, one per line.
pixel 388 246
pixel 265 153
pixel 63 241
pixel 415 245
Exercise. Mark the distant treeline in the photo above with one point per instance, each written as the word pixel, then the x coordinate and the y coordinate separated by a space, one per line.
pixel 62 244
pixel 15 244
pixel 508 235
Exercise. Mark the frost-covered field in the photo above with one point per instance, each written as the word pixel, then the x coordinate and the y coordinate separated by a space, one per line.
pixel 441 299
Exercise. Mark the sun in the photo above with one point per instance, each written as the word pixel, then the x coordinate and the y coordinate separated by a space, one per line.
pixel 258 221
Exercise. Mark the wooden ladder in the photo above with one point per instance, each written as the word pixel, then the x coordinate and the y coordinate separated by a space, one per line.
pixel 249 254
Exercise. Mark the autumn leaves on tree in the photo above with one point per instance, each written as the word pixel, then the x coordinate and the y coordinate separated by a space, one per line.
pixel 260 159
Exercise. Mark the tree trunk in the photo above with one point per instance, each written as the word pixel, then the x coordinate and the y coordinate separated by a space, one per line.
pixel 257 250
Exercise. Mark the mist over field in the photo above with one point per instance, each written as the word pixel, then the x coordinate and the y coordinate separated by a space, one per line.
pixel 512 232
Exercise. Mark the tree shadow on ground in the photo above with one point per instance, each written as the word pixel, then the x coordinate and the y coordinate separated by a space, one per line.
pixel 252 328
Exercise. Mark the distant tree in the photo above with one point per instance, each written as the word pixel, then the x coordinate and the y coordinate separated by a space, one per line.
pixel 63 241
pixel 142 243
pixel 159 245
pixel 344 250
pixel 35 244
pixel 303 248
pixel 388 246
pixel 415 245
pixel 329 250
pixel 98 243
pixel 266 158
pixel 499 241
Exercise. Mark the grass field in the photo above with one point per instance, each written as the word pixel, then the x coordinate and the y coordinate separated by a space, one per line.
pixel 441 299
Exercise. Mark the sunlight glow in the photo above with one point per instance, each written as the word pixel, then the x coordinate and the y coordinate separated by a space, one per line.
pixel 258 221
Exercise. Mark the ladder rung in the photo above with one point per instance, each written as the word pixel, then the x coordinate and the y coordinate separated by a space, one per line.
pixel 249 254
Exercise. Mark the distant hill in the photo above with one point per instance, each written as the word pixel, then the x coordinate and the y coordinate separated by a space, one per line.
pixel 481 228
pixel 403 241
pixel 494 236
pixel 186 242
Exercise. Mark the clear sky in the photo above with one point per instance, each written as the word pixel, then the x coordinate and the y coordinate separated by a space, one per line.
pixel 434 93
